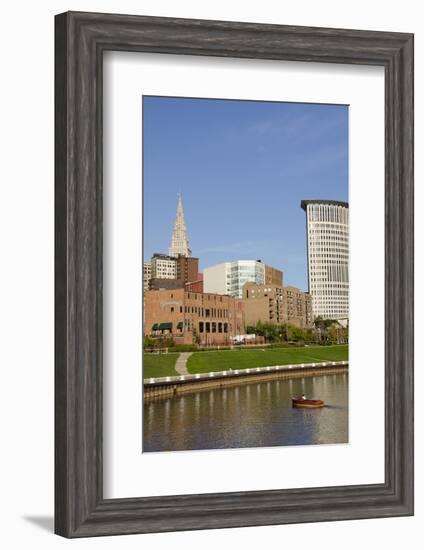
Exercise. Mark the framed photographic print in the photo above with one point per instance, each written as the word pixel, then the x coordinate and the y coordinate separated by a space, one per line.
pixel 234 274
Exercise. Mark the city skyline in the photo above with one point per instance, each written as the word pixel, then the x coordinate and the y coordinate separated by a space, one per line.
pixel 301 150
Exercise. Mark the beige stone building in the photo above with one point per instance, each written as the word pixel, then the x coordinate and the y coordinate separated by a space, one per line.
pixel 192 317
pixel 273 276
pixel 163 266
pixel 262 303
pixel 147 275
pixel 297 307
pixel 276 305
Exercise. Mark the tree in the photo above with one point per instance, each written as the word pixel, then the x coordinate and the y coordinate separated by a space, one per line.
pixel 149 343
pixel 196 336
pixel 165 342
pixel 330 331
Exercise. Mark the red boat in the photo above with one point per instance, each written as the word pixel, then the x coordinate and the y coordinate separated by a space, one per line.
pixel 300 403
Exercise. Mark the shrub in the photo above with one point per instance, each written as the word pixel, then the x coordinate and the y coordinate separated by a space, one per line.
pixel 183 347
pixel 217 348
pixel 149 343
pixel 291 344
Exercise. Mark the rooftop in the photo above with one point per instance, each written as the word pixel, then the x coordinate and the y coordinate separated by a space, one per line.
pixel 304 203
pixel 163 256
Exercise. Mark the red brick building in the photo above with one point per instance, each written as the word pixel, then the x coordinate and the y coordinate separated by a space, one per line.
pixel 196 285
pixel 192 317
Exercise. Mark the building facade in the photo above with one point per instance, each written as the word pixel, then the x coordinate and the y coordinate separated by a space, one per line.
pixel 263 303
pixel 191 317
pixel 187 269
pixel 327 229
pixel 273 276
pixel 276 305
pixel 163 267
pixel 147 275
pixel 164 284
pixel 195 286
pixel 229 277
pixel 297 306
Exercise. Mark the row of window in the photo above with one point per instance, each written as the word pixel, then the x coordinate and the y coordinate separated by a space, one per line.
pixel 329 252
pixel 327 234
pixel 330 292
pixel 204 312
pixel 213 327
pixel 320 226
pixel 333 229
pixel 333 249
pixel 191 296
pixel 329 240
pixel 327 294
pixel 328 213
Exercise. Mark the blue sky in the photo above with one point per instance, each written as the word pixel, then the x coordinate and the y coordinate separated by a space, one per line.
pixel 242 168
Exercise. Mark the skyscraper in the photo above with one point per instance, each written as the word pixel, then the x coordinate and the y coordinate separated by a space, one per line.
pixel 327 230
pixel 179 241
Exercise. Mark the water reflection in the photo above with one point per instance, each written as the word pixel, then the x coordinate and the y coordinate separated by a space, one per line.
pixel 253 415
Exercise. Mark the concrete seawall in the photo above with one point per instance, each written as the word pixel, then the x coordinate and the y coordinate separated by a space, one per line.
pixel 175 385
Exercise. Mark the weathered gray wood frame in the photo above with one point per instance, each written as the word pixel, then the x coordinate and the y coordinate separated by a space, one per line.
pixel 81 39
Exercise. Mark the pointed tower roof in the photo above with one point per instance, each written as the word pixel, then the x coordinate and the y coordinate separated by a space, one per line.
pixel 179 241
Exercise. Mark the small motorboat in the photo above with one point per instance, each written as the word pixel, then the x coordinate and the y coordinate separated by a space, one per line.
pixel 300 403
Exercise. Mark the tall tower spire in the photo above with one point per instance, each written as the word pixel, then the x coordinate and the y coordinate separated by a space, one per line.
pixel 179 241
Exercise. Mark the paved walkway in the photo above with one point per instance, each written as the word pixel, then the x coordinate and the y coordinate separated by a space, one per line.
pixel 181 364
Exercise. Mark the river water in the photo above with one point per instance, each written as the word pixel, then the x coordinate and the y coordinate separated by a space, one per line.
pixel 250 415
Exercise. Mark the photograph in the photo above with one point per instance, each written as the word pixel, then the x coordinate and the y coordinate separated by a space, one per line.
pixel 245 273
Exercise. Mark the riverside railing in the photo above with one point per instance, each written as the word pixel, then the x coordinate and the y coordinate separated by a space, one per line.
pixel 165 380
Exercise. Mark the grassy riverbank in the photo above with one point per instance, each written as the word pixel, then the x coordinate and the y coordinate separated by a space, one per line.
pixel 156 366
pixel 214 361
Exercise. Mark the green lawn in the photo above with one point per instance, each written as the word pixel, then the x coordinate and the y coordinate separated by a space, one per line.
pixel 155 366
pixel 208 361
